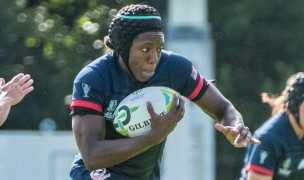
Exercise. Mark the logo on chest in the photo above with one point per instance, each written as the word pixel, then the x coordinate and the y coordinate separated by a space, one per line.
pixel 109 114
pixel 284 171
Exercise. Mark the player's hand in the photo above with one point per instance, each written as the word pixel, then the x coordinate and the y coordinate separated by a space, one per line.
pixel 17 88
pixel 238 136
pixel 162 126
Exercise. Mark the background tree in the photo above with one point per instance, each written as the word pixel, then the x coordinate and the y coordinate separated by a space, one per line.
pixel 51 40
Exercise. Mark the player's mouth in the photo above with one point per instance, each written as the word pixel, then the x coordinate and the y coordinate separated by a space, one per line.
pixel 149 73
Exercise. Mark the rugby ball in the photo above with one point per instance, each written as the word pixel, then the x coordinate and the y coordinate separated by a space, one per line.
pixel 131 115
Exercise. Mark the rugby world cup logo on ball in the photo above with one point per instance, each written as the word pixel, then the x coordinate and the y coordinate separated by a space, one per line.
pixel 131 115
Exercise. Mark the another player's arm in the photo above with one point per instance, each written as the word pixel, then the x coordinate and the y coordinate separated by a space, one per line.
pixel 13 92
pixel 5 107
pixel 252 175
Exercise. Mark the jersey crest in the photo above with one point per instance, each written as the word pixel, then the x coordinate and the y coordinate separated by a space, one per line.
pixel 86 88
pixel 263 156
pixel 109 115
pixel 284 171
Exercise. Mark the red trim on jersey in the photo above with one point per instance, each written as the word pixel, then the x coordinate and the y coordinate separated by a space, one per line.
pixel 259 169
pixel 197 89
pixel 86 104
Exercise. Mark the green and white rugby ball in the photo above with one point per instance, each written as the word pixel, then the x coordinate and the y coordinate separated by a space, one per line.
pixel 131 115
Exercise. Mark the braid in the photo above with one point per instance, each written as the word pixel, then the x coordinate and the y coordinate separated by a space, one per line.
pixel 123 30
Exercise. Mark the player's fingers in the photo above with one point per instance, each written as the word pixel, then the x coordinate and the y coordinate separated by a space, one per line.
pixel 250 140
pixel 28 90
pixel 4 86
pixel 175 102
pixel 24 79
pixel 180 111
pixel 222 129
pixel 239 127
pixel 245 138
pixel 27 84
pixel 243 132
pixel 16 78
pixel 219 127
pixel 180 102
pixel 254 141
pixel 150 109
pixel 2 82
pixel 236 142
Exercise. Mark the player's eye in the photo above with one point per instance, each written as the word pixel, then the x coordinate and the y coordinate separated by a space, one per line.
pixel 159 50
pixel 145 50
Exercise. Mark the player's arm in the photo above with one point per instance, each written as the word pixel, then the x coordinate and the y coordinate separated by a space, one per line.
pixel 252 175
pixel 5 107
pixel 221 109
pixel 89 131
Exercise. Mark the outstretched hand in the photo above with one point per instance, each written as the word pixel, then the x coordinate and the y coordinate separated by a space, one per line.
pixel 17 88
pixel 238 136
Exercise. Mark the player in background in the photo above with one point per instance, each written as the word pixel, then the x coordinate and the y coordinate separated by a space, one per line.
pixel 137 60
pixel 281 152
pixel 13 92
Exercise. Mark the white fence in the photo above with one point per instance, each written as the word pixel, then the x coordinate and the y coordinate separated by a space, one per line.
pixel 30 155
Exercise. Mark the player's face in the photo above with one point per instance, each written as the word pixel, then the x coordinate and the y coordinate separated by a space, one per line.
pixel 301 114
pixel 145 54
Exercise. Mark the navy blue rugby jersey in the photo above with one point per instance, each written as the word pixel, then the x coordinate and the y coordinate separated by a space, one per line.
pixel 280 154
pixel 102 85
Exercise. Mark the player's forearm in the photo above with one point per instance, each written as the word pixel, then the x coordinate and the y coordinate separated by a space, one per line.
pixel 97 152
pixel 218 107
pixel 231 116
pixel 107 153
pixel 5 106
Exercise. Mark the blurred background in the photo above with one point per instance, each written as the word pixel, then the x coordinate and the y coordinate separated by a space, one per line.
pixel 255 46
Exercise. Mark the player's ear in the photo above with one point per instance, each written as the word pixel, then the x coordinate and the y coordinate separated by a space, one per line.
pixel 116 36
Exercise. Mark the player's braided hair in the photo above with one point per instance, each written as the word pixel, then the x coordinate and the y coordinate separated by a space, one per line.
pixel 129 22
pixel 295 94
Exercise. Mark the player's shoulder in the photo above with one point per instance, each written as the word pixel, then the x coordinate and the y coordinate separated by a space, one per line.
pixel 275 124
pixel 98 67
pixel 103 61
pixel 173 55
pixel 275 129
pixel 174 58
